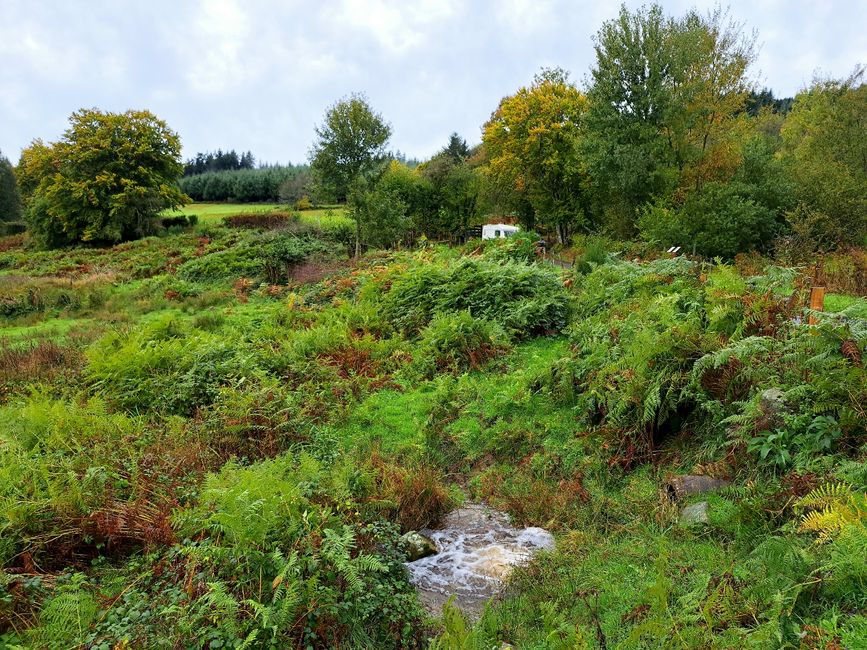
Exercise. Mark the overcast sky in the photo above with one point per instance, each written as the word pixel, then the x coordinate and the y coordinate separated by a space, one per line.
pixel 259 74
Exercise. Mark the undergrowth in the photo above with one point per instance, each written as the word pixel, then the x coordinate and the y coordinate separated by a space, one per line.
pixel 216 437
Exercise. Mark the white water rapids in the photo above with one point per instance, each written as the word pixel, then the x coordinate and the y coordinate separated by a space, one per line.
pixel 477 551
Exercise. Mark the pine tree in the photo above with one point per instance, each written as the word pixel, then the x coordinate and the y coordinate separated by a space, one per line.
pixel 10 197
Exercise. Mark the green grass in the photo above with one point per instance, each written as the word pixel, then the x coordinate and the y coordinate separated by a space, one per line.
pixel 835 302
pixel 56 329
pixel 214 212
pixel 178 377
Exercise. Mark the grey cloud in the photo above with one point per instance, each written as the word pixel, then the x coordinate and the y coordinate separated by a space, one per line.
pixel 258 74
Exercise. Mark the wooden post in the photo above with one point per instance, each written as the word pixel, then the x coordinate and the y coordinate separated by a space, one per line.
pixel 817 302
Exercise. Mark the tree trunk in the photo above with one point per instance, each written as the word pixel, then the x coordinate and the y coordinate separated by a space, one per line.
pixel 357 237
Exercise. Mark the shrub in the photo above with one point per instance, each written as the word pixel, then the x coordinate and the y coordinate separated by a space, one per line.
pixel 241 261
pixel 455 343
pixel 56 468
pixel 331 586
pixel 263 220
pixel 520 247
pixel 165 368
pixel 524 299
pixel 12 228
pixel 719 220
pixel 282 253
pixel 594 254
pixel 180 221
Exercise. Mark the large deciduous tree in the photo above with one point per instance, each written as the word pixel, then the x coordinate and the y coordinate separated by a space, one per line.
pixel 453 175
pixel 350 148
pixel 530 142
pixel 825 148
pixel 666 98
pixel 10 197
pixel 106 180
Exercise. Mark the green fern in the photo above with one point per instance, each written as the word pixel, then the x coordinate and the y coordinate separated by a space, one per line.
pixel 67 615
pixel 831 508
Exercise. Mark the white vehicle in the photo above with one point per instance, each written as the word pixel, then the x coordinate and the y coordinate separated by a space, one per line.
pixel 498 230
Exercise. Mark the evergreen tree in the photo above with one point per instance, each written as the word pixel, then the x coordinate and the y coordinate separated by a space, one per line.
pixel 10 197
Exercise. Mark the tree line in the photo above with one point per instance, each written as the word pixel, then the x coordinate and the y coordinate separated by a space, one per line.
pixel 668 140
pixel 263 184
pixel 219 161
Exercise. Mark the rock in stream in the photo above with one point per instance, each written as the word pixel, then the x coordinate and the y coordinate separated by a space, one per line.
pixel 478 549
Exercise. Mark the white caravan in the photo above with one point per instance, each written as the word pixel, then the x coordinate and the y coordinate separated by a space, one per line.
pixel 498 230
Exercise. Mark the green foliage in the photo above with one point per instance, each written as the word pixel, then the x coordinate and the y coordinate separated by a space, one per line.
pixel 454 187
pixel 350 144
pixel 165 367
pixel 720 220
pixel 230 464
pixel 520 247
pixel 639 330
pixel 106 180
pixel 823 391
pixel 326 586
pixel 659 120
pixel 525 300
pixel 382 214
pixel 240 186
pixel 66 616
pixel 57 466
pixel 270 256
pixel 531 144
pixel 825 152
pixel 10 197
pixel 455 343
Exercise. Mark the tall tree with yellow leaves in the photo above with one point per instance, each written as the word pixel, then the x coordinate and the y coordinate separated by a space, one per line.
pixel 533 167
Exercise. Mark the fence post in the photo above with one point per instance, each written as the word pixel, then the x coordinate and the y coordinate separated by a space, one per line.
pixel 817 302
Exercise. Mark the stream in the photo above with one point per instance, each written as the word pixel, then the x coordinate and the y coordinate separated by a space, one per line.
pixel 478 549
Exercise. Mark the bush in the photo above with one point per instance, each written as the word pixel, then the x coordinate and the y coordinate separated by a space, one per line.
pixel 268 256
pixel 524 299
pixel 12 228
pixel 165 367
pixel 338 581
pixel 57 467
pixel 263 220
pixel 455 343
pixel 520 247
pixel 719 220
pixel 180 221
pixel 241 261
pixel 383 218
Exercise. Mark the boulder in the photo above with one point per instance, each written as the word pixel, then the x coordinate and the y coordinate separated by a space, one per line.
pixel 679 487
pixel 772 402
pixel 694 514
pixel 418 546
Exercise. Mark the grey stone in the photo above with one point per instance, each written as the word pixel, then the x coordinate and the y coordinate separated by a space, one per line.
pixel 418 546
pixel 679 487
pixel 694 514
pixel 772 402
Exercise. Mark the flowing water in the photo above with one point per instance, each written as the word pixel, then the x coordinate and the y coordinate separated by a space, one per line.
pixel 478 548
